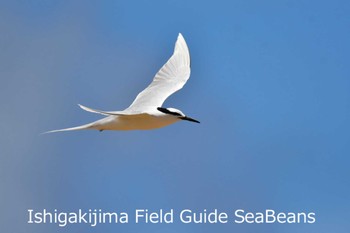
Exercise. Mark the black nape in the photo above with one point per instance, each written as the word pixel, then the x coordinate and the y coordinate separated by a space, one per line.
pixel 166 111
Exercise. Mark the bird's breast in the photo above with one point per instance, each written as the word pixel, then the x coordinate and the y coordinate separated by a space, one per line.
pixel 134 122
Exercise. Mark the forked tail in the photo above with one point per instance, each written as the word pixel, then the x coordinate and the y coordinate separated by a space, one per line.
pixel 87 126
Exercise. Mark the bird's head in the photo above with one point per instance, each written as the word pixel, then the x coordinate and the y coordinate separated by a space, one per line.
pixel 177 113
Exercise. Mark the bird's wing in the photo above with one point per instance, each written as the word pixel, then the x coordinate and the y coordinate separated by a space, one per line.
pixel 169 79
pixel 106 113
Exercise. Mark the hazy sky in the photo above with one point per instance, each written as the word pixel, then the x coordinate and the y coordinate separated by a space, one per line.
pixel 270 84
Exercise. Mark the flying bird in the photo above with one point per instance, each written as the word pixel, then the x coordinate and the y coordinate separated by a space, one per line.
pixel 146 111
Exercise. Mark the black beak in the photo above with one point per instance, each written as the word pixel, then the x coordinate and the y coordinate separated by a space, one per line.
pixel 189 119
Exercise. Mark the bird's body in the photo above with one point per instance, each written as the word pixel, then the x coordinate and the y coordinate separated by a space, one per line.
pixel 135 122
pixel 146 112
pixel 129 122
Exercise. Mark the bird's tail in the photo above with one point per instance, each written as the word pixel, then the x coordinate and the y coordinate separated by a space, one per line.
pixel 81 127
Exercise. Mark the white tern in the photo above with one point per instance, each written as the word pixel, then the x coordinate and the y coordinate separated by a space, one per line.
pixel 146 112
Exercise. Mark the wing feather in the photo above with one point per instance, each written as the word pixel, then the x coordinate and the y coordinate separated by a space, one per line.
pixel 169 79
pixel 106 113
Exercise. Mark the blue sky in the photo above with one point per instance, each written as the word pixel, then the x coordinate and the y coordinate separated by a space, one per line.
pixel 270 85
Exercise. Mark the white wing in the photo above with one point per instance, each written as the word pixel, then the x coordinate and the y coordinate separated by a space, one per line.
pixel 106 113
pixel 169 79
